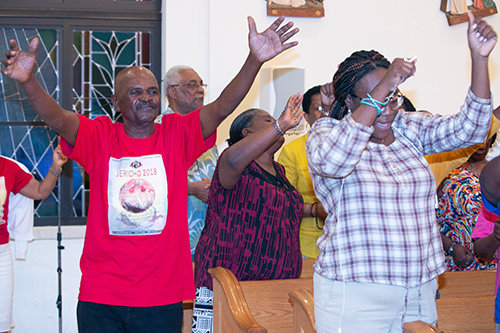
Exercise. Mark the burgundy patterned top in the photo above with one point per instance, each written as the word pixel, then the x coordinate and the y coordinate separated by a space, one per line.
pixel 252 229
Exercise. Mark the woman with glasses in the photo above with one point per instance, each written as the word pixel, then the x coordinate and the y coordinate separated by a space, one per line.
pixel 381 250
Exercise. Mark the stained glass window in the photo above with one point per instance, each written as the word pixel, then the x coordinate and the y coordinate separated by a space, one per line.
pixel 81 80
pixel 31 144
pixel 98 56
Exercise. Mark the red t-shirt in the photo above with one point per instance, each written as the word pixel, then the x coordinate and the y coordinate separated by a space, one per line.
pixel 12 179
pixel 136 250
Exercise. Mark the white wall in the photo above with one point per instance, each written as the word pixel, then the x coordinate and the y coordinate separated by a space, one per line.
pixel 211 36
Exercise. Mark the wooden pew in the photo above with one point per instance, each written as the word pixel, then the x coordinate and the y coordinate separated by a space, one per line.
pixel 303 316
pixel 467 284
pixel 467 301
pixel 256 306
pixel 303 311
pixel 187 319
pixel 272 306
pixel 187 311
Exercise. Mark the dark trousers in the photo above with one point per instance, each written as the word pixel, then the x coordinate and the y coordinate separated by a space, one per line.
pixel 95 318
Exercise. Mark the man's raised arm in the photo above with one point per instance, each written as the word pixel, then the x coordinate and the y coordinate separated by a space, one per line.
pixel 19 66
pixel 263 47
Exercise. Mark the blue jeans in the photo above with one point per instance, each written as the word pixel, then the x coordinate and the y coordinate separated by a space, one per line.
pixel 95 318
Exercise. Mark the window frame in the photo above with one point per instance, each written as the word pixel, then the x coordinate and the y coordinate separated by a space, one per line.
pixel 68 16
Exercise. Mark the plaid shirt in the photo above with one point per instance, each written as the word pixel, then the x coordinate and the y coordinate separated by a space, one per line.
pixel 380 200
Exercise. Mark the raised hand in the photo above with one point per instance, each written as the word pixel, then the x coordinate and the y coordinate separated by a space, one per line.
pixel 482 37
pixel 266 45
pixel 58 159
pixel 19 64
pixel 327 97
pixel 398 72
pixel 291 116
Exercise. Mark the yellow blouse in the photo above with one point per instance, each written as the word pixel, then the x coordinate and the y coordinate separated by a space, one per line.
pixel 293 158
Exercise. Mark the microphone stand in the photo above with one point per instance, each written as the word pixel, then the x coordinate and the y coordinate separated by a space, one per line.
pixel 60 247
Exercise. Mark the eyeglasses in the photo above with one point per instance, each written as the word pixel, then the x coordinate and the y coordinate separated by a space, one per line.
pixel 395 102
pixel 191 85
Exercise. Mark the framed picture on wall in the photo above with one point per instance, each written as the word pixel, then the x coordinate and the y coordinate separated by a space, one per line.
pixel 456 10
pixel 301 8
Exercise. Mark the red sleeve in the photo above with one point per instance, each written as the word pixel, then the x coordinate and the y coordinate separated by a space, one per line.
pixel 92 135
pixel 21 177
pixel 188 127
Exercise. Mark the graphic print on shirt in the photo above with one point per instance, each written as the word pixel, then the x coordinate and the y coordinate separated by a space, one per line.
pixel 3 198
pixel 137 194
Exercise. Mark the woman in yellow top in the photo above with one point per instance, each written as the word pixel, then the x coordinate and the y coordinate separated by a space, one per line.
pixel 293 158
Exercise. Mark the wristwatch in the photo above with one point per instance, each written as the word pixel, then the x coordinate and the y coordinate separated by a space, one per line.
pixel 450 249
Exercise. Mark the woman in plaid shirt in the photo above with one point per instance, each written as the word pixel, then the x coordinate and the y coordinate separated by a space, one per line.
pixel 380 250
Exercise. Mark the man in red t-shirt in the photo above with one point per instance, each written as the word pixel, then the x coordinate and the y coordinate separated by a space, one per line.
pixel 136 267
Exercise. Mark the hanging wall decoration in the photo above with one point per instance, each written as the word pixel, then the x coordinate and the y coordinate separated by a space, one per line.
pixel 301 8
pixel 456 10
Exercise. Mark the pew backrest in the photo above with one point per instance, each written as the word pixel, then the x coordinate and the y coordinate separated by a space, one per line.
pixel 303 311
pixel 253 306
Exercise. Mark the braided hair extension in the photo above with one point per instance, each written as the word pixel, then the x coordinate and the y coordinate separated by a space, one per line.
pixel 350 72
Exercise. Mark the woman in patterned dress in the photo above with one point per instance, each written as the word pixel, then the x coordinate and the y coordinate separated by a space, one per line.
pixel 459 205
pixel 254 213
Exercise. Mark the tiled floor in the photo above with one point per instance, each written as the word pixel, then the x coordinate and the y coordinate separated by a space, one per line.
pixel 36 287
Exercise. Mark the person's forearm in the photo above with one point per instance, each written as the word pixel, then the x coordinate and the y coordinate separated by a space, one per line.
pixel 63 122
pixel 447 242
pixel 191 188
pixel 480 80
pixel 242 153
pixel 334 148
pixel 310 210
pixel 486 247
pixel 48 183
pixel 365 114
pixel 213 114
pixel 237 89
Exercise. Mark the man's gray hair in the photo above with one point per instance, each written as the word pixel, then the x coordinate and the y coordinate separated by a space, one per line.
pixel 172 77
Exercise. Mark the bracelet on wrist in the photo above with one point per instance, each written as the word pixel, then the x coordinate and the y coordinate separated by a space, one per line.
pixel 450 249
pixel 277 128
pixel 379 106
pixel 316 217
pixel 315 205
pixel 54 172
pixel 294 121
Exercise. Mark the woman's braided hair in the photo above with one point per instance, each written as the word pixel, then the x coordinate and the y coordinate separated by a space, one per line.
pixel 350 71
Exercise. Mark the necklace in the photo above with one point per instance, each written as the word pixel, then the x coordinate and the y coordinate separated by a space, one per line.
pixel 473 170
